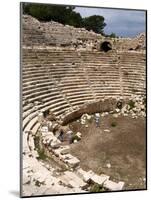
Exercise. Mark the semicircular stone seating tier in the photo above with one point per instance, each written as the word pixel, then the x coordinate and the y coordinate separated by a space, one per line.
pixel 61 80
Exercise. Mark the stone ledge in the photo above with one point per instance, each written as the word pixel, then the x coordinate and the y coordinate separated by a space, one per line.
pixel 113 186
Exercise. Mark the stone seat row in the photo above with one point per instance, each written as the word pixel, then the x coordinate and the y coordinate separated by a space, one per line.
pixel 75 100
pixel 57 108
pixel 69 89
pixel 49 93
pixel 86 80
pixel 70 69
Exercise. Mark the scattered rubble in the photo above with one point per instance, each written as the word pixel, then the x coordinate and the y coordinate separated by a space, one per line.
pixel 108 165
pixel 85 118
pixel 107 130
pixel 134 106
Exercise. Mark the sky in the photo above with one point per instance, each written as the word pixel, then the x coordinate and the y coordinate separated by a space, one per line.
pixel 124 23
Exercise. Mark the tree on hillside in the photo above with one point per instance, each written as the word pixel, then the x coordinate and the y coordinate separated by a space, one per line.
pixel 112 35
pixel 64 15
pixel 61 14
pixel 95 23
pixel 74 19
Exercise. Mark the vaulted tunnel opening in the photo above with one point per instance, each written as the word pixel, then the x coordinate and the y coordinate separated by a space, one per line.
pixel 106 46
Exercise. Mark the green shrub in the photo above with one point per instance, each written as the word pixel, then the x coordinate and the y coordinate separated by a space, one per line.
pixel 131 103
pixel 38 183
pixel 96 188
pixel 75 137
pixel 36 141
pixel 40 151
pixel 113 124
pixel 41 154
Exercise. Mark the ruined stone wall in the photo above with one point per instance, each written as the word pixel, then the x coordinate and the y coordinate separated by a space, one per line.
pixel 138 43
pixel 104 105
pixel 53 34
pixel 37 33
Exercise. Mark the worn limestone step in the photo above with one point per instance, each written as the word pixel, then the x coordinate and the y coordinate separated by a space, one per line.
pixel 29 122
pixel 73 180
pixel 52 106
pixel 32 79
pixel 52 91
pixel 57 105
pixel 113 186
pixel 33 86
pixel 38 88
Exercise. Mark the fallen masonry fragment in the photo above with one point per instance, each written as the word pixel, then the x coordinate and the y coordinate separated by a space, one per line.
pixel 110 185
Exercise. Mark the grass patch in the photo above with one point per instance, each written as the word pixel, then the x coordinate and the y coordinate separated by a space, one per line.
pixel 96 188
pixel 38 183
pixel 75 137
pixel 36 141
pixel 40 151
pixel 41 154
pixel 113 124
pixel 131 103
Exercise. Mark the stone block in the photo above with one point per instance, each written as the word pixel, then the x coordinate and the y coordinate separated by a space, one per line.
pixel 115 115
pixel 107 130
pixel 108 165
pixel 69 132
pixel 40 117
pixel 55 127
pixel 83 121
pixel 79 134
pixel 113 186
pixel 117 110
pixel 81 173
pixel 87 176
pixel 48 139
pixel 74 180
pixel 50 126
pixel 45 134
pixel 44 129
pixel 99 179
pixel 55 143
pixel 70 160
pixel 62 150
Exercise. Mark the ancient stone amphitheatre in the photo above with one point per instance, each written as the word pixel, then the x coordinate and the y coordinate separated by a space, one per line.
pixel 69 75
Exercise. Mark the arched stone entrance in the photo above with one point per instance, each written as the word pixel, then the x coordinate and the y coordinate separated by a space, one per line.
pixel 106 46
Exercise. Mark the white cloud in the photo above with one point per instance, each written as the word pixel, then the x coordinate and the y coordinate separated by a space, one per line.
pixel 122 22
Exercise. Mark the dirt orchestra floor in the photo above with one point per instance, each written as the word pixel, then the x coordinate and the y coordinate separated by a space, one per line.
pixel 120 153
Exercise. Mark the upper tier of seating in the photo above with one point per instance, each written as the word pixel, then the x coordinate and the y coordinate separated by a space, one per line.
pixel 36 33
